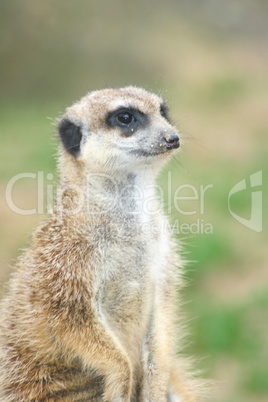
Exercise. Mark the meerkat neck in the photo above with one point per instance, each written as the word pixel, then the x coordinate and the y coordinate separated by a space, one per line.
pixel 130 193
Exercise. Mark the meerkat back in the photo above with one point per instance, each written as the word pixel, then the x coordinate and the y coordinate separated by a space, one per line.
pixel 90 311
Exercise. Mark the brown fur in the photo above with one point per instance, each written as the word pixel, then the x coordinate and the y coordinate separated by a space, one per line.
pixel 90 312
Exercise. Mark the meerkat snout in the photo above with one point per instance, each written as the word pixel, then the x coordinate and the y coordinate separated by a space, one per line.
pixel 172 141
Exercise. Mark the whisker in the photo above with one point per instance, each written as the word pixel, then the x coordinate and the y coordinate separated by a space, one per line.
pixel 196 141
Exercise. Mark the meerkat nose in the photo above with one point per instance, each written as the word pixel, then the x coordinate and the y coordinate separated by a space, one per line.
pixel 172 141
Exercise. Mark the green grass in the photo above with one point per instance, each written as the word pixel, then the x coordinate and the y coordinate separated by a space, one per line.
pixel 256 379
pixel 223 91
pixel 28 138
pixel 229 333
pixel 224 330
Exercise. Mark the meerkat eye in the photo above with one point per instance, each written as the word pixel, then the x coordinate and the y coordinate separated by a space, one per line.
pixel 164 111
pixel 128 120
pixel 125 118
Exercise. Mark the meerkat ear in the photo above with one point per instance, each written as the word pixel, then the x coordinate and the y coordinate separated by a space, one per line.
pixel 70 135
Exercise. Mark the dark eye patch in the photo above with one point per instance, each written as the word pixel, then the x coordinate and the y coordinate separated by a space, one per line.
pixel 164 111
pixel 127 119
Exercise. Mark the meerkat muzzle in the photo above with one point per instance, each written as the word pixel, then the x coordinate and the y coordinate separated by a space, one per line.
pixel 172 141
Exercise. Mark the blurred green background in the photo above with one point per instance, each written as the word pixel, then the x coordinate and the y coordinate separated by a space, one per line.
pixel 209 59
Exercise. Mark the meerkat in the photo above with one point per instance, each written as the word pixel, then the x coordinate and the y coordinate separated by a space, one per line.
pixel 90 313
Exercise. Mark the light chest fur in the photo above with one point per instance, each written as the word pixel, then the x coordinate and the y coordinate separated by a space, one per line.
pixel 133 254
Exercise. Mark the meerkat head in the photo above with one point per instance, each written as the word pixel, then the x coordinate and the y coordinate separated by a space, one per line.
pixel 118 129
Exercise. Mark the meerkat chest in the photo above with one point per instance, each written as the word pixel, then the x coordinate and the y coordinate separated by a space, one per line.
pixel 132 265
